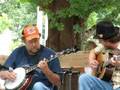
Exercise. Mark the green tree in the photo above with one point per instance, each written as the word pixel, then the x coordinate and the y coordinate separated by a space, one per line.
pixel 16 14
pixel 84 13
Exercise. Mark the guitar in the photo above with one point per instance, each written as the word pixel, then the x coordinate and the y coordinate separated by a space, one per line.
pixel 103 71
pixel 21 81
pixel 108 72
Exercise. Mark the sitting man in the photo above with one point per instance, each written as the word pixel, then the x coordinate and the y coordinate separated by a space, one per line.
pixel 109 37
pixel 46 76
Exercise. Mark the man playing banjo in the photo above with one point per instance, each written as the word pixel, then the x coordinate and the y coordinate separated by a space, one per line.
pixel 45 76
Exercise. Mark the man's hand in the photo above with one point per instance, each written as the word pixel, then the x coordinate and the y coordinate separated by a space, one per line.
pixel 43 65
pixel 115 60
pixel 93 64
pixel 7 75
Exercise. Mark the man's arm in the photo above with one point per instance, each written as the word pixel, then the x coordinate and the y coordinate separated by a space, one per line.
pixel 52 77
pixel 93 63
pixel 7 75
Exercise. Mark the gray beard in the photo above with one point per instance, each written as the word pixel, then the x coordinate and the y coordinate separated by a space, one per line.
pixel 32 53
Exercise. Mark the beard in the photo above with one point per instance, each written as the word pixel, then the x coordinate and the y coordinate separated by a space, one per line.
pixel 33 51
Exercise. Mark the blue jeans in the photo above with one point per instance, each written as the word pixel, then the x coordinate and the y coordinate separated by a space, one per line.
pixel 117 88
pixel 89 82
pixel 40 86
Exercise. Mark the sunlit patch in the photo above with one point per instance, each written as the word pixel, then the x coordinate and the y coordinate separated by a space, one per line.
pixel 5 41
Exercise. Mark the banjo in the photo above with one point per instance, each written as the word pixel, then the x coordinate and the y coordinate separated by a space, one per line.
pixel 21 82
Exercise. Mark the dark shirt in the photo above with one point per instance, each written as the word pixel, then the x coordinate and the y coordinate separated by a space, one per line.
pixel 20 58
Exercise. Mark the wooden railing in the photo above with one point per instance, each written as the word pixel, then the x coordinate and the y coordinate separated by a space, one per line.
pixel 74 64
pixel 74 60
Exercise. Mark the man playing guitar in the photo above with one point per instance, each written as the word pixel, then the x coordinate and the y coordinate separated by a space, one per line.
pixel 109 37
pixel 45 76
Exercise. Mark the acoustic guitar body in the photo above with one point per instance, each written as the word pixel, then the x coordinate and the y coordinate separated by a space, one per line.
pixel 106 74
pixel 103 72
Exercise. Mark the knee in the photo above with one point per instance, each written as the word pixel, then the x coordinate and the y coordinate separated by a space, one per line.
pixel 82 77
pixel 38 86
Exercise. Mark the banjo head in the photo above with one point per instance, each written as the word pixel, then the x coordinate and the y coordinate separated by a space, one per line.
pixel 20 77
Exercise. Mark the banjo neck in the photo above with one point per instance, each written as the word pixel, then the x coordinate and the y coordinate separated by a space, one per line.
pixel 31 68
pixel 52 57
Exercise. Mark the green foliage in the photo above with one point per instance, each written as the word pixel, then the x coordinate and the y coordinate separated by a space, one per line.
pixel 83 9
pixel 91 21
pixel 43 4
pixel 17 14
pixel 4 22
pixel 91 11
pixel 77 28
pixel 88 12
pixel 79 8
